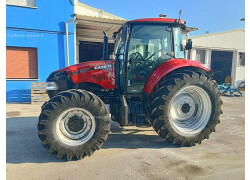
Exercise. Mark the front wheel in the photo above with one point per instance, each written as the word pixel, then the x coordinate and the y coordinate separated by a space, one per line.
pixel 185 108
pixel 74 124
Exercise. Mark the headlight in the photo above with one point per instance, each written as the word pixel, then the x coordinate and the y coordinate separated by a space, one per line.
pixel 51 86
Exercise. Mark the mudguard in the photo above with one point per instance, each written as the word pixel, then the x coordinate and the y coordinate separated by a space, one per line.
pixel 166 68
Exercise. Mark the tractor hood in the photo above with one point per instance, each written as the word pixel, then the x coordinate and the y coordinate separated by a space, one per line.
pixel 100 72
pixel 86 66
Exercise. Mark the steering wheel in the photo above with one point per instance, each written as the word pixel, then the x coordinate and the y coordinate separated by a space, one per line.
pixel 138 62
pixel 135 57
pixel 156 53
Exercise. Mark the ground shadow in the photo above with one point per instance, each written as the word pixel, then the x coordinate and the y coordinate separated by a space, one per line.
pixel 134 138
pixel 24 146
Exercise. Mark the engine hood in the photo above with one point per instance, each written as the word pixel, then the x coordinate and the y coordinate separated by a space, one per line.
pixel 98 72
pixel 86 65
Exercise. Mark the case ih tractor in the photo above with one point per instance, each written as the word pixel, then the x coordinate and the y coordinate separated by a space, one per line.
pixel 148 81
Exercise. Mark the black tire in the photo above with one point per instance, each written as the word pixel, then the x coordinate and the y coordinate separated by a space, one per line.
pixel 61 103
pixel 160 100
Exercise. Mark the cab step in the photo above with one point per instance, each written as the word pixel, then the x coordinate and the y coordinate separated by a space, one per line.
pixel 136 112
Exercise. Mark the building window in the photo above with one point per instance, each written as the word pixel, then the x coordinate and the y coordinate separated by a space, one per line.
pixel 241 59
pixel 201 56
pixel 29 3
pixel 21 63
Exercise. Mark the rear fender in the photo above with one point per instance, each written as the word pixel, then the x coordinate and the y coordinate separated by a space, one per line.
pixel 167 67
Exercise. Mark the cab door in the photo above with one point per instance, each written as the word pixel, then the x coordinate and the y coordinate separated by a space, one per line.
pixel 119 52
pixel 149 46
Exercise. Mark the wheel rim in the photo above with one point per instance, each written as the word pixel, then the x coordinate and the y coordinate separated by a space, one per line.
pixel 190 110
pixel 75 126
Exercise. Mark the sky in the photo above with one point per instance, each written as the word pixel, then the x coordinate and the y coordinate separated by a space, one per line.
pixel 207 15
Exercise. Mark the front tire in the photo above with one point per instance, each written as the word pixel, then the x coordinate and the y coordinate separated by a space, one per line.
pixel 185 108
pixel 74 124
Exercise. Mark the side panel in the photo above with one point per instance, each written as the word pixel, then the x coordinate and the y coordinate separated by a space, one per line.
pixel 101 73
pixel 166 68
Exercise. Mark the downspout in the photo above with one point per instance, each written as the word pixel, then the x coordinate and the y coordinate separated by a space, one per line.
pixel 67 37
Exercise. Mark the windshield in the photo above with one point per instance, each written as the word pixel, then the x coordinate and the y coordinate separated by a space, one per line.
pixel 152 42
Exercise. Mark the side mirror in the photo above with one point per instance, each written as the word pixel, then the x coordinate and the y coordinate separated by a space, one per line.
pixel 189 44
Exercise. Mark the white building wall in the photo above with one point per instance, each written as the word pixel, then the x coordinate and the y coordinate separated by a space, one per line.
pixel 234 65
pixel 240 73
pixel 230 40
pixel 233 41
pixel 193 54
pixel 208 58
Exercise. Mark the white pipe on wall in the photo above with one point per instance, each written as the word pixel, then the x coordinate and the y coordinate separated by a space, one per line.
pixel 67 38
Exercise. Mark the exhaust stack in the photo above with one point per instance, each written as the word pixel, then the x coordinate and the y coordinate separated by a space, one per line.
pixel 105 46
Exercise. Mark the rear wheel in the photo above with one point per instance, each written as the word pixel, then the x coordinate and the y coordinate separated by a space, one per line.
pixel 185 108
pixel 74 124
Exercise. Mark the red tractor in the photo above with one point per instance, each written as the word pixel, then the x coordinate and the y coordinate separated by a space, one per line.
pixel 147 81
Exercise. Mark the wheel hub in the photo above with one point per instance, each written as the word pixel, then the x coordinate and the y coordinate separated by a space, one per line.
pixel 185 108
pixel 76 123
pixel 190 110
pixel 75 126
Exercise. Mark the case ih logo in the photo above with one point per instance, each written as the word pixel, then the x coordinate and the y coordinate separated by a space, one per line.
pixel 103 67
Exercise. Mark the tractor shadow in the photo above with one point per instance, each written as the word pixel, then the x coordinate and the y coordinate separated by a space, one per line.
pixel 24 146
pixel 133 137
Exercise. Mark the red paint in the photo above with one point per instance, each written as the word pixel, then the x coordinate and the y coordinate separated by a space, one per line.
pixel 167 67
pixel 167 20
pixel 101 77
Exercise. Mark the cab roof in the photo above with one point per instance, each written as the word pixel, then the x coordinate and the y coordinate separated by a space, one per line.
pixel 160 20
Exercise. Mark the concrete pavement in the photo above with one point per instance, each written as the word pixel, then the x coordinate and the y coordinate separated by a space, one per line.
pixel 131 152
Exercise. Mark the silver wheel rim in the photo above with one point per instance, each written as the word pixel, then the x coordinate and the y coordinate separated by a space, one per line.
pixel 190 110
pixel 75 126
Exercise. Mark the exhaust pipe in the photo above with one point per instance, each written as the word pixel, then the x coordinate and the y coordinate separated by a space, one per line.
pixel 105 46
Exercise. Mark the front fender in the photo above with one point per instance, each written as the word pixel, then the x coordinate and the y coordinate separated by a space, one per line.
pixel 166 68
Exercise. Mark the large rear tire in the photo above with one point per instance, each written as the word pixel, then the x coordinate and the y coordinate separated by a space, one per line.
pixel 74 124
pixel 185 107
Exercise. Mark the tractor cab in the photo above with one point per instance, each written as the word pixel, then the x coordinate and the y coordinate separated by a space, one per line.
pixel 141 46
